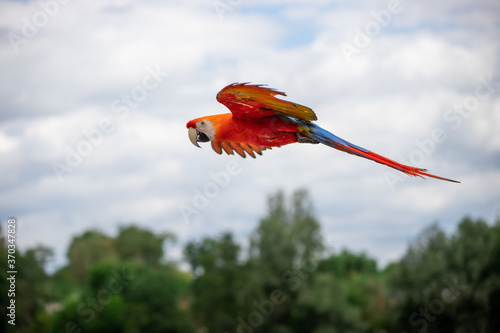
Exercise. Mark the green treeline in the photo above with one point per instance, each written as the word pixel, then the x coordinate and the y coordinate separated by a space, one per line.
pixel 285 279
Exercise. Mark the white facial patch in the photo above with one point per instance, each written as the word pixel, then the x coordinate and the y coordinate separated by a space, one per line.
pixel 206 127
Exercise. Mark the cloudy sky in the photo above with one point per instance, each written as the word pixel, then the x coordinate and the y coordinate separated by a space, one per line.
pixel 95 95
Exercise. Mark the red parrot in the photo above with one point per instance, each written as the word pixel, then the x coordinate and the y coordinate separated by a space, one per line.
pixel 260 121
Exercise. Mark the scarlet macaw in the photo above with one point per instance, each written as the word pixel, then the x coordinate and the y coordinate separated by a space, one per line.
pixel 259 121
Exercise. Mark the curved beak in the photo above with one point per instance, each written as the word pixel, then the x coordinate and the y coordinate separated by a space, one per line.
pixel 193 135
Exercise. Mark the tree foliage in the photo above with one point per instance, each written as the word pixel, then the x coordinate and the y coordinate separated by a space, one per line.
pixel 283 280
pixel 218 277
pixel 88 249
pixel 29 291
pixel 127 288
pixel 448 283
pixel 134 244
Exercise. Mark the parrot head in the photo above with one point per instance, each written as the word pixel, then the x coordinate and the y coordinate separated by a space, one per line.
pixel 200 130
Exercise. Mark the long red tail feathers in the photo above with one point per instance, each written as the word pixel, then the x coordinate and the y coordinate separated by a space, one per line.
pixel 409 170
pixel 330 139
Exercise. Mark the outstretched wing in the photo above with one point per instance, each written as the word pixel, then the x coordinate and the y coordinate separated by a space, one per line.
pixel 255 101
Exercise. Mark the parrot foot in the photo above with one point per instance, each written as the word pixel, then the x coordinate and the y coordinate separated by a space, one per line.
pixel 305 139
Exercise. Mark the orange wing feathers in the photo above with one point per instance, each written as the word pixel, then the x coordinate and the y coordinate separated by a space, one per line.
pixel 239 147
pixel 255 101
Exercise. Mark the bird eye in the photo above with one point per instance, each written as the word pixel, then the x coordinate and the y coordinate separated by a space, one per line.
pixel 202 123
